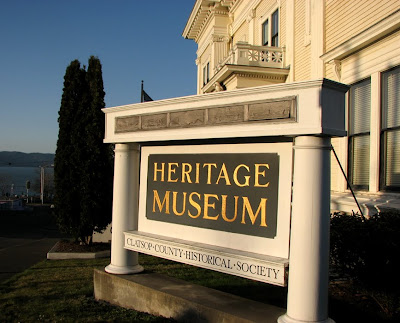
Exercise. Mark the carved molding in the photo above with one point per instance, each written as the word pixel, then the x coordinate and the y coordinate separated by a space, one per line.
pixel 218 87
pixel 260 111
pixel 220 38
pixel 251 15
pixel 337 68
pixel 262 76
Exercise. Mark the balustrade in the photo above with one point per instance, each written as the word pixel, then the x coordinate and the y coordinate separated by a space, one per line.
pixel 250 55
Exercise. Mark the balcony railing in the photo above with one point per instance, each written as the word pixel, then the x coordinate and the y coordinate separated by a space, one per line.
pixel 250 55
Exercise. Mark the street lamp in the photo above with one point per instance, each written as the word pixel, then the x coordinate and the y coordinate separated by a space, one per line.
pixel 28 186
pixel 42 180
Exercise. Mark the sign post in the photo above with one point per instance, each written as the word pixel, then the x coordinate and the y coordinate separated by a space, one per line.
pixel 125 206
pixel 309 234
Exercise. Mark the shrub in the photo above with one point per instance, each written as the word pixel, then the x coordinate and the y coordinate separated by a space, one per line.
pixel 367 249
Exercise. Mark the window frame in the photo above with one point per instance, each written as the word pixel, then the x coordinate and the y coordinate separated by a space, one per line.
pixel 352 136
pixel 265 40
pixel 206 73
pixel 272 39
pixel 384 130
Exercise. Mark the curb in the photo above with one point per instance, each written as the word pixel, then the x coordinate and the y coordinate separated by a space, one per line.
pixel 169 297
pixel 52 255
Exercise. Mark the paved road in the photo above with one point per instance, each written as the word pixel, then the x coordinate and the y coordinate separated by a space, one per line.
pixel 25 239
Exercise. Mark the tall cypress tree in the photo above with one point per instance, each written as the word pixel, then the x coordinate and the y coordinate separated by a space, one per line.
pixel 66 171
pixel 97 178
pixel 83 164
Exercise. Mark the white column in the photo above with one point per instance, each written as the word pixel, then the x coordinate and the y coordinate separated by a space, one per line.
pixel 309 236
pixel 125 209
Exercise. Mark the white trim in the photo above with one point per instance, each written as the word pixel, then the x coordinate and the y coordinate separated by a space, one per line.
pixel 375 127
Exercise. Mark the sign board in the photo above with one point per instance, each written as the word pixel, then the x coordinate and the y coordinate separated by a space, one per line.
pixel 222 207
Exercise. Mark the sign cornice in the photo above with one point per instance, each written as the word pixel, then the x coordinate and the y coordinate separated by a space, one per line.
pixel 199 99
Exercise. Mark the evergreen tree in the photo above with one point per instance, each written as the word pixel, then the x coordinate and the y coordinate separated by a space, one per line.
pixel 97 177
pixel 66 177
pixel 83 164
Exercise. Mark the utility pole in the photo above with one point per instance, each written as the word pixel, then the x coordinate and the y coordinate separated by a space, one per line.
pixel 28 186
pixel 41 183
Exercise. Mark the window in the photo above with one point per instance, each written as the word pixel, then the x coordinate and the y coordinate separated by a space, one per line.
pixel 390 130
pixel 206 73
pixel 265 33
pixel 359 133
pixel 275 29
pixel 270 31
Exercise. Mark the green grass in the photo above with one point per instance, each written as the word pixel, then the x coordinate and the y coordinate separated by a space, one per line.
pixel 62 290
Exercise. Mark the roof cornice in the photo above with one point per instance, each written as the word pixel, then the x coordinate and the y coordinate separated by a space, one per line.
pixel 200 14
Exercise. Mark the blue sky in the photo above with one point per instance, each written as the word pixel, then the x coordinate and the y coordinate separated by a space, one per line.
pixel 134 39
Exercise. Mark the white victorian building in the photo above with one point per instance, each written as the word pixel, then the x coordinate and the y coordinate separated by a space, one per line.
pixel 249 43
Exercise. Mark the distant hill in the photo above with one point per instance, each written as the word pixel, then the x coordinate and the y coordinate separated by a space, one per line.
pixel 18 159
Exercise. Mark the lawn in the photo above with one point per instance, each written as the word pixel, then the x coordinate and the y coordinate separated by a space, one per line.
pixel 62 290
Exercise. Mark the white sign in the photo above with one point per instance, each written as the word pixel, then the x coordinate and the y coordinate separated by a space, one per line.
pixel 256 267
pixel 221 207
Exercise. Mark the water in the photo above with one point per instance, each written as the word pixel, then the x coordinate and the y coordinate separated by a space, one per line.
pixel 13 180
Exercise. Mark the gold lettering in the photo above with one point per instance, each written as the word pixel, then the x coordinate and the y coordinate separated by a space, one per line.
pixel 235 175
pixel 262 208
pixel 156 198
pixel 207 205
pixel 159 170
pixel 223 209
pixel 174 194
pixel 224 174
pixel 186 173
pixel 208 165
pixel 172 171
pixel 257 173
pixel 195 205
pixel 197 173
